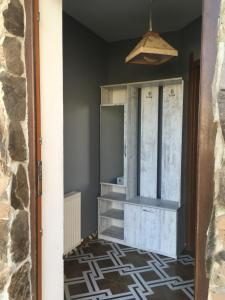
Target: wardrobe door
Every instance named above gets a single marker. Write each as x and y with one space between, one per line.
149 141
132 225
168 233
150 229
172 125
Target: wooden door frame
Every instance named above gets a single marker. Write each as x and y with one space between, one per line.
191 153
34 134
206 139
206 142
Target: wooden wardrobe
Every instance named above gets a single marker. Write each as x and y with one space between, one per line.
141 166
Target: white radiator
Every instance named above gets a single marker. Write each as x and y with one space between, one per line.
72 221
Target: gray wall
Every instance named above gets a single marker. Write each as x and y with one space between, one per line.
85 69
119 72
185 41
191 43
88 63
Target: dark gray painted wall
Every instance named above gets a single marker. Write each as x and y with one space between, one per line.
88 63
119 72
185 41
85 67
191 43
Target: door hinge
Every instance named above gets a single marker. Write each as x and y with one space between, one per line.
39 178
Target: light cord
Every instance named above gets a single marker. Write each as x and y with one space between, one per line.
150 16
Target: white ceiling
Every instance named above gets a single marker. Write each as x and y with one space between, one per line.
115 20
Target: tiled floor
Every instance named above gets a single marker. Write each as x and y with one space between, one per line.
104 270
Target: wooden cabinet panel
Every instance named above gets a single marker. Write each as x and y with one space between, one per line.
149 141
132 225
150 229
132 142
168 233
172 126
143 144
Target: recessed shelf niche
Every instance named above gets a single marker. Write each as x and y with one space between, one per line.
112 143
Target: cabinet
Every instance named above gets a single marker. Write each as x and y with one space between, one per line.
118 158
140 174
152 229
119 140
111 217
132 225
168 232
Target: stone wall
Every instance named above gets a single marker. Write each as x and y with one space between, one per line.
15 261
216 234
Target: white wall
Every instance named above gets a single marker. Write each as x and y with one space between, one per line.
52 149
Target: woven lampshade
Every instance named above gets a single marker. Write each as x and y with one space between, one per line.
151 50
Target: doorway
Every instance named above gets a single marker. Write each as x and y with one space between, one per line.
201 261
97 164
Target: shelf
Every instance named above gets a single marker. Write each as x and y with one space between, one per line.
114 196
114 232
140 84
155 203
113 214
113 184
113 104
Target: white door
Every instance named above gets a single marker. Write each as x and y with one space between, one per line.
132 225
150 229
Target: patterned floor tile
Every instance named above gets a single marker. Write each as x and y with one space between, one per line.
78 288
149 276
164 293
104 270
136 259
97 249
105 263
115 282
73 268
178 269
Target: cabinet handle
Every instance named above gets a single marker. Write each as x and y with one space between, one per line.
149 211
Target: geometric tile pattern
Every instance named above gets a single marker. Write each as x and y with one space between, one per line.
105 270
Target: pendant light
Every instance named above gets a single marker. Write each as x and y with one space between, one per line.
152 49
